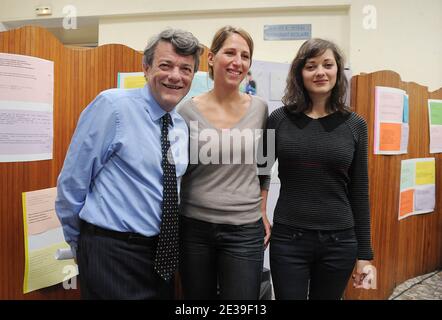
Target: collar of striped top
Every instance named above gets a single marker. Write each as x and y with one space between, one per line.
329 122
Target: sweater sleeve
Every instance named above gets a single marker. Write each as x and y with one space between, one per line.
358 188
263 175
267 154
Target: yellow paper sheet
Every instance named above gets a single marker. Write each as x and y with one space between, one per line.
43 270
41 227
425 172
132 82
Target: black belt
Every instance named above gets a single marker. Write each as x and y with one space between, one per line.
130 237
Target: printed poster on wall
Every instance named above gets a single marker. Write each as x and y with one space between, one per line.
418 187
391 129
26 108
435 120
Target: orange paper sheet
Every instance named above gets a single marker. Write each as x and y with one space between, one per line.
390 137
39 208
407 202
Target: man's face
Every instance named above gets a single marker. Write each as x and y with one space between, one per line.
170 75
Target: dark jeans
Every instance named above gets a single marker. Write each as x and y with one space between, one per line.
311 264
115 265
228 255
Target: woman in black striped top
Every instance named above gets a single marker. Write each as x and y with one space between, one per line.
322 219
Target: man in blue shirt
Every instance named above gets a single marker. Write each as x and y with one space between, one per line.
110 190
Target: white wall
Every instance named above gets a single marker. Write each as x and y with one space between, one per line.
406 40
332 24
11 10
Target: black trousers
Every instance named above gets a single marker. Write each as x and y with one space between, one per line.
116 265
228 255
310 264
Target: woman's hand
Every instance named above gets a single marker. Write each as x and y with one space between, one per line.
267 229
265 221
365 276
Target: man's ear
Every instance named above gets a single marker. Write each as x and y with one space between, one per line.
145 70
210 58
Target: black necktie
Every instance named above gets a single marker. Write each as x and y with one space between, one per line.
166 258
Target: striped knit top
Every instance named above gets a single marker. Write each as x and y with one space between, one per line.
323 169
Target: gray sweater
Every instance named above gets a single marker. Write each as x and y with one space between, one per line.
221 184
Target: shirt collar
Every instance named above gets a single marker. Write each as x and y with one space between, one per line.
153 108
329 122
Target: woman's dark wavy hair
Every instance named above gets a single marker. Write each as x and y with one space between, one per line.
296 97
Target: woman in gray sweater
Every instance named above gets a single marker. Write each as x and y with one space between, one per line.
224 228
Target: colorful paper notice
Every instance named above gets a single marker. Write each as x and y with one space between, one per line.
40 213
435 111
406 203
417 187
406 112
425 172
435 119
131 80
425 200
408 174
26 108
43 270
391 121
201 83
390 136
43 237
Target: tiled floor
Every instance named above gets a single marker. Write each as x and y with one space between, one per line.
425 287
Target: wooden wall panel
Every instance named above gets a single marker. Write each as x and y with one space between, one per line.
410 247
79 75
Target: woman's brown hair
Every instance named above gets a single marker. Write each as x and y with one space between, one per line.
296 97
220 37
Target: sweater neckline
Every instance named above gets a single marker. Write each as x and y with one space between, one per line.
328 122
209 124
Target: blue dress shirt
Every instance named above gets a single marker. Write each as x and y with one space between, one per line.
112 175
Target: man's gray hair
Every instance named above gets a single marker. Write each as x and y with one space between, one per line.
183 42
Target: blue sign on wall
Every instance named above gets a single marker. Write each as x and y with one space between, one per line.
288 32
